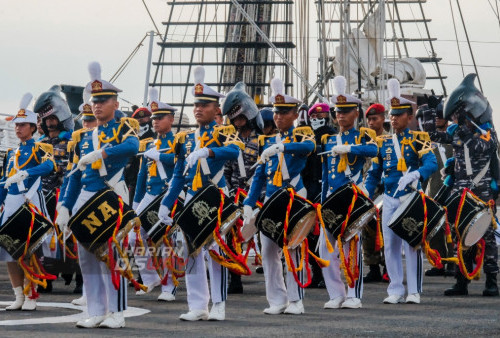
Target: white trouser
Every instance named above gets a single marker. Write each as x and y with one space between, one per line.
11 204
101 294
276 291
393 256
332 273
198 295
144 262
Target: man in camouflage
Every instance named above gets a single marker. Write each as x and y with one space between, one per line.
475 141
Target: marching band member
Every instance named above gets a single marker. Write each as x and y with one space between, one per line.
153 180
24 167
475 144
196 150
404 158
278 151
99 169
349 150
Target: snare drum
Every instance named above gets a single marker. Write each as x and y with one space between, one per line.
198 218
95 222
336 206
270 220
443 194
14 232
51 202
408 220
475 216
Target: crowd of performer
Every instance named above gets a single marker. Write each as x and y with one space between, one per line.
314 191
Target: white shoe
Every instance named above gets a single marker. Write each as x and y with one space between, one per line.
413 298
194 315
394 299
149 287
82 301
166 297
114 320
352 303
275 309
29 304
334 303
218 311
90 322
295 308
18 303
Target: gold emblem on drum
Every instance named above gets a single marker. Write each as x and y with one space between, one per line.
410 225
202 210
8 243
152 217
268 225
330 217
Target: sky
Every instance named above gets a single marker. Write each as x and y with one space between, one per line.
52 41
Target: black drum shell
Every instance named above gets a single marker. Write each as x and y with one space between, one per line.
198 218
96 240
414 215
14 232
335 207
270 220
50 204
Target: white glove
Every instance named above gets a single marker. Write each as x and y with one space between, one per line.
92 157
62 218
16 178
271 151
342 149
193 158
153 154
135 205
164 215
408 178
247 214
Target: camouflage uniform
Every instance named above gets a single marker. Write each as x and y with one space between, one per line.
250 155
481 150
61 157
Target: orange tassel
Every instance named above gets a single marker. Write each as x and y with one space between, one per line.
53 243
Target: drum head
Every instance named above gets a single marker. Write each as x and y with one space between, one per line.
302 228
477 228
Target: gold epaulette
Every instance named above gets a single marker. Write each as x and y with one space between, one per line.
324 138
129 127
180 137
77 135
262 139
423 136
369 134
47 152
423 141
301 134
380 139
143 144
227 134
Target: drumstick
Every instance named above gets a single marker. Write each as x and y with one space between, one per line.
160 150
332 151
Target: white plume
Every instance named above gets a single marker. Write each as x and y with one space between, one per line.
393 88
25 101
86 97
339 84
153 95
95 71
277 87
199 75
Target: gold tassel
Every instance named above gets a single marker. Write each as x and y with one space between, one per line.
197 182
97 164
342 163
448 238
152 169
53 243
402 164
278 178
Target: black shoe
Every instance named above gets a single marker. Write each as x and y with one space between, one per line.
373 276
78 290
491 287
259 269
234 288
67 278
317 284
48 289
434 272
458 289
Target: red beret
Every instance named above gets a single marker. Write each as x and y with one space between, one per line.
141 112
375 108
